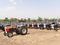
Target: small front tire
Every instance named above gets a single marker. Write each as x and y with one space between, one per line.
5 34
10 34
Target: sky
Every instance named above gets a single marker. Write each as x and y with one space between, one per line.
30 8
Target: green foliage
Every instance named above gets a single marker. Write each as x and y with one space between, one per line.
6 19
33 20
53 19
13 19
39 19
28 20
46 19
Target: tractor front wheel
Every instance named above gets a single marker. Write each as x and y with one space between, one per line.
10 34
5 33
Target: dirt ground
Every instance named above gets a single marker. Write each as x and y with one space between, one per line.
34 37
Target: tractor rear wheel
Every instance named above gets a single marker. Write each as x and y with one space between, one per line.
24 31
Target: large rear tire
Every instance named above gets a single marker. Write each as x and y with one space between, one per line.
24 31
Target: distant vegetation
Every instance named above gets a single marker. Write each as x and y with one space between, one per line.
39 19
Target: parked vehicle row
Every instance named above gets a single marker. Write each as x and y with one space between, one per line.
44 25
22 27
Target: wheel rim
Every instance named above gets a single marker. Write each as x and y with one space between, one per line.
24 31
10 34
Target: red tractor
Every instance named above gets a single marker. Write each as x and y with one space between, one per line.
9 30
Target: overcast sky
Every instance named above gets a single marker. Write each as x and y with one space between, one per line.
30 8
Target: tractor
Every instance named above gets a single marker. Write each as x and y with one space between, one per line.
19 28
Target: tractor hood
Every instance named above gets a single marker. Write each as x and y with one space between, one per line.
21 24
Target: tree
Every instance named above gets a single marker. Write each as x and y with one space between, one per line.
46 19
1 20
53 19
28 20
59 20
6 19
13 19
39 19
33 20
